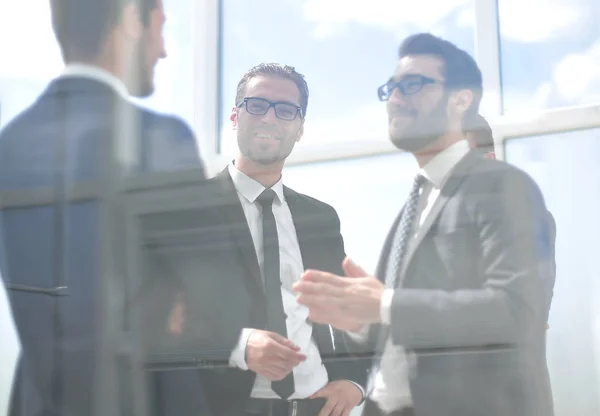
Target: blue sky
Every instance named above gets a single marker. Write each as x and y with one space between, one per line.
550 53
346 48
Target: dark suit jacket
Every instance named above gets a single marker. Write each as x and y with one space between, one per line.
61 136
217 272
473 300
552 259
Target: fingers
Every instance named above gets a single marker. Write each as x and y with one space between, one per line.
274 374
322 303
317 288
322 392
284 341
177 317
352 269
323 277
331 408
287 355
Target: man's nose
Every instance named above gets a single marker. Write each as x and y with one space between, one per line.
397 98
269 116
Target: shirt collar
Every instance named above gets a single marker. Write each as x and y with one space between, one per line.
439 168
98 74
251 189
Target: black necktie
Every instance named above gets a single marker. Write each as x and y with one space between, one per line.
275 313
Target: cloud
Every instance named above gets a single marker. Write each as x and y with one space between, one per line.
526 101
521 20
539 20
575 80
34 53
394 16
577 76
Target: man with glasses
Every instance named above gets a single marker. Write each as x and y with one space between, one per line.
456 310
260 236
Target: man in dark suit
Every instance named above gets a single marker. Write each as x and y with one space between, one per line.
110 48
256 238
456 311
481 137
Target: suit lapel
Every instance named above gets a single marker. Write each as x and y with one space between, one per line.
235 220
295 205
387 246
457 176
300 217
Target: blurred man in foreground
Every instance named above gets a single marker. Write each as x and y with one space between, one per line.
111 48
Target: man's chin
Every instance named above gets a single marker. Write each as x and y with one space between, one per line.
142 92
408 144
141 89
264 161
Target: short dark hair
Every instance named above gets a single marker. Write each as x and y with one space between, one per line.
277 70
460 70
483 137
81 26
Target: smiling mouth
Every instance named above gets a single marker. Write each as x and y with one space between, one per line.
262 136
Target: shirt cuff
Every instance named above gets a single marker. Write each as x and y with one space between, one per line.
385 308
238 355
360 336
362 391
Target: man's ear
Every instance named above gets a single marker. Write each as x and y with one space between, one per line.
461 101
300 132
130 21
233 117
490 155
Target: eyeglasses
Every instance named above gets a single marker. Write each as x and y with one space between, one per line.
408 85
259 106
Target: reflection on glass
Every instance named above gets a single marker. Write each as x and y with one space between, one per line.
566 168
367 194
552 61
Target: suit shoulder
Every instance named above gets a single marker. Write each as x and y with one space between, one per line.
312 202
25 119
173 123
500 174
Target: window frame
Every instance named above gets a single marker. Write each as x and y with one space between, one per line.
208 103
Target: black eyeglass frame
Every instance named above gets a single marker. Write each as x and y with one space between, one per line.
244 103
403 85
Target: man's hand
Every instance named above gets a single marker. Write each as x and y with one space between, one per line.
342 396
176 321
271 355
345 303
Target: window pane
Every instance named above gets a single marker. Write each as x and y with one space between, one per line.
30 55
174 76
566 168
345 50
30 63
550 53
359 190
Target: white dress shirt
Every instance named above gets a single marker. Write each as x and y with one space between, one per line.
9 351
391 389
96 73
310 375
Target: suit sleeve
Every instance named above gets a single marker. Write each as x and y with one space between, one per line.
509 306
552 259
348 363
